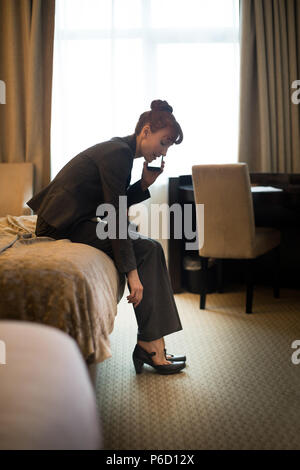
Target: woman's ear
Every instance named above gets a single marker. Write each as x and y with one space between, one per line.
146 130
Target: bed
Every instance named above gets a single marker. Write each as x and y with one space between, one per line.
70 286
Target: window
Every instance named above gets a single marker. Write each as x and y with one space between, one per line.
113 57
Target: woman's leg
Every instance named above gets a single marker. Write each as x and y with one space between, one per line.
157 314
43 229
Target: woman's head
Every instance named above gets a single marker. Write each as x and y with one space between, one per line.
156 130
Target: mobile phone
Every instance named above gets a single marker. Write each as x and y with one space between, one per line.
155 168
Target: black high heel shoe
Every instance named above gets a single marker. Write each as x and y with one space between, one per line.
141 357
174 358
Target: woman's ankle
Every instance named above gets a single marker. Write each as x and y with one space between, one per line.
147 345
155 345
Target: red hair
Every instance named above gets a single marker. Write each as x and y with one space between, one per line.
160 116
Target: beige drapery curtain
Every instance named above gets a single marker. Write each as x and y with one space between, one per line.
269 139
26 54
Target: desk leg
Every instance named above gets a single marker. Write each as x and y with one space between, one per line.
249 283
276 272
204 287
219 276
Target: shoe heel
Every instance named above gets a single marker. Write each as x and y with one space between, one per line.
138 364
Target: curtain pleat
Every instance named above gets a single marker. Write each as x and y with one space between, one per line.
269 137
26 58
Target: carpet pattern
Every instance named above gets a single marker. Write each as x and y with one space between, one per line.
239 390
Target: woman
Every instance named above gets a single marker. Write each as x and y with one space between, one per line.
66 208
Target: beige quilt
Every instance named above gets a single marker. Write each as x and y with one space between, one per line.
71 286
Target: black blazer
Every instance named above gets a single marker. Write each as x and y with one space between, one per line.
97 175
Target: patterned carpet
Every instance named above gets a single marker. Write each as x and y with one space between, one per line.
240 389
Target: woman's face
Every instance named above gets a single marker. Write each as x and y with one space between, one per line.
155 144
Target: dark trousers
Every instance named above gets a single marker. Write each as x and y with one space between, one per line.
157 314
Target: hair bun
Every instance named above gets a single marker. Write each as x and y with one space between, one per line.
159 105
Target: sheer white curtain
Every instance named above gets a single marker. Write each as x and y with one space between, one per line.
113 57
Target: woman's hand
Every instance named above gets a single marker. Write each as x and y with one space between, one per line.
148 177
135 288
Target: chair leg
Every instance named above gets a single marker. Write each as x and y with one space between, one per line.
249 284
204 265
276 272
219 276
202 301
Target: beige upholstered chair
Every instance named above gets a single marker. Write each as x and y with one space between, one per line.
229 228
16 184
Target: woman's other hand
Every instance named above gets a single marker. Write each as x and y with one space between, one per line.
135 288
148 177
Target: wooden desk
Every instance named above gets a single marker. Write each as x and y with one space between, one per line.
267 194
273 207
